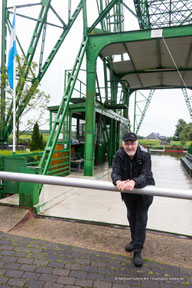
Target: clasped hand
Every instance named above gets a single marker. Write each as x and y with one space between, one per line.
125 185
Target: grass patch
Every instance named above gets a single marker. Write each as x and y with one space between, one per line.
149 142
9 152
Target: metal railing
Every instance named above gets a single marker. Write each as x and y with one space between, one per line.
94 184
33 159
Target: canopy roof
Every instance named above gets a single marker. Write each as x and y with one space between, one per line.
152 62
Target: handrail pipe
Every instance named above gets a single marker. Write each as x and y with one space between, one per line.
95 184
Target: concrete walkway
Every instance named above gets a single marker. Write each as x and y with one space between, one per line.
28 262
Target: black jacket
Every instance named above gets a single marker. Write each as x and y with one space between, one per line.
137 169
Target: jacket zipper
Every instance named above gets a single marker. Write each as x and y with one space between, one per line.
131 172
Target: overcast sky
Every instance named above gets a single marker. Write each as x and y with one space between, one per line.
166 107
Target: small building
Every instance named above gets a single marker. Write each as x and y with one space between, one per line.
156 136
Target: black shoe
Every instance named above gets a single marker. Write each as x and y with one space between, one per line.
138 261
129 247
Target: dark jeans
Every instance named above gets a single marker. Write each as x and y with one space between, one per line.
137 208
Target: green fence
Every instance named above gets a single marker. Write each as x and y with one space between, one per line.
29 163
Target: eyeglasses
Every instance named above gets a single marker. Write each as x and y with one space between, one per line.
132 143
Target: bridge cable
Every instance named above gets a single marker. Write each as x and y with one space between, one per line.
174 62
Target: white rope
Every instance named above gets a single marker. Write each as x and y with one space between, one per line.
174 62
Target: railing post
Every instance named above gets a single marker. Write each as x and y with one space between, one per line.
29 192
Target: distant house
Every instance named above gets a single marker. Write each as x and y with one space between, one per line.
156 136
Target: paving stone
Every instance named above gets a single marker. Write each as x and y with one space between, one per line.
4 242
48 277
49 251
17 282
67 259
14 273
98 264
7 247
31 275
21 254
53 285
66 247
84 282
64 253
71 286
27 267
76 254
66 280
95 276
34 284
2 271
119 286
105 270
8 252
36 256
83 261
56 264
24 261
11 266
61 272
170 270
51 257
149 283
3 279
111 278
46 270
34 250
89 268
99 284
73 266
78 274
40 262
185 271
85 256
1 264
9 259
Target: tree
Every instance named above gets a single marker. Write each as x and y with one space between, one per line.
41 145
179 127
36 106
36 142
34 111
186 134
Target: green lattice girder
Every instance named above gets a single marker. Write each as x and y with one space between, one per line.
163 13
40 26
188 101
140 109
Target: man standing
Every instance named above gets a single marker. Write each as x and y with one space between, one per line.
132 169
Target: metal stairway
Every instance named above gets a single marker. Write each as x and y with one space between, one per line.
56 129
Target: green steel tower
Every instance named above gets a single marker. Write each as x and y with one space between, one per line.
155 55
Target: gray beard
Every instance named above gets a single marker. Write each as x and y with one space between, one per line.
130 153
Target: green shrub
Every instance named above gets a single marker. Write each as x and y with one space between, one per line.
190 149
36 141
174 147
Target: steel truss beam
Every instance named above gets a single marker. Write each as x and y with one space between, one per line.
40 29
140 109
188 101
163 13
